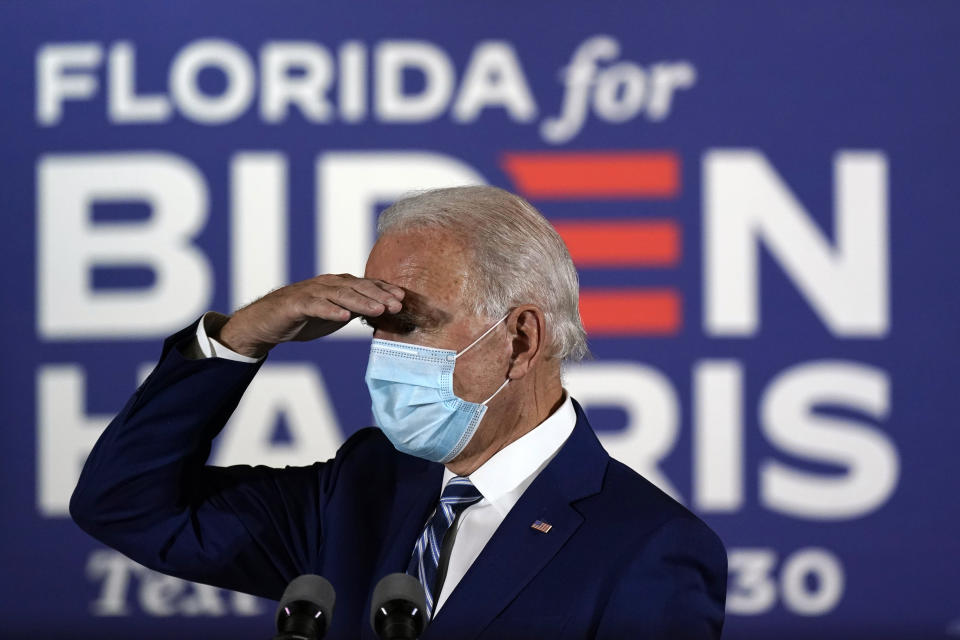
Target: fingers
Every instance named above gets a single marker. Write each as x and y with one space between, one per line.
387 295
339 298
355 302
394 290
326 310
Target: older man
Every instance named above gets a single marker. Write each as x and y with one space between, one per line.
483 478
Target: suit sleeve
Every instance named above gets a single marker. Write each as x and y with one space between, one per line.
682 568
146 491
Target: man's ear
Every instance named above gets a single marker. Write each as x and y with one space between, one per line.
527 328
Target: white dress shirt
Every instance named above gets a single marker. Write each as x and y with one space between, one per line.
501 480
214 348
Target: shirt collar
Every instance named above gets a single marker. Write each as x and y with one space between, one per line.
503 478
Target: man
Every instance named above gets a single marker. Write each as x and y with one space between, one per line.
484 479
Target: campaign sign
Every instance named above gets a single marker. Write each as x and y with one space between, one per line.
761 200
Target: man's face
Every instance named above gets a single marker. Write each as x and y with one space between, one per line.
432 267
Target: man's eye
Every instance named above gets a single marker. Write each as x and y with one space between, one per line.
396 325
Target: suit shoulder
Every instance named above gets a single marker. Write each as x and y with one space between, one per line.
668 567
623 484
647 508
367 454
366 443
366 436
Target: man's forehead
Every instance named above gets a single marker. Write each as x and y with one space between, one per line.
431 264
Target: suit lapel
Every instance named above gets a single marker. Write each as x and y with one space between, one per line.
510 560
417 493
517 553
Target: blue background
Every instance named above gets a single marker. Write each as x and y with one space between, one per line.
795 81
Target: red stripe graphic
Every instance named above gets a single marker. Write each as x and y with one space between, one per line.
631 311
633 243
597 175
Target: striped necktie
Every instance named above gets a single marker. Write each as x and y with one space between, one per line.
425 564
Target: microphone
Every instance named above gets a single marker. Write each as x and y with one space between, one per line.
398 610
306 609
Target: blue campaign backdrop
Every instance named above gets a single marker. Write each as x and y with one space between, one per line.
761 199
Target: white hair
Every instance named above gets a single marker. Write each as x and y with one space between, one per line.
519 258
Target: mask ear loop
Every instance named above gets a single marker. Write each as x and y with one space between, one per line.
470 346
484 335
505 383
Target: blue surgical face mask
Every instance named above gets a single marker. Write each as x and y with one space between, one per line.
411 389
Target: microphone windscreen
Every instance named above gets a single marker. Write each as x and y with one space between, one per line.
399 587
311 588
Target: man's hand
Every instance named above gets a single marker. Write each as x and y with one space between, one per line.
307 310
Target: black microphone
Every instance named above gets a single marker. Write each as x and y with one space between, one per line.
306 609
398 610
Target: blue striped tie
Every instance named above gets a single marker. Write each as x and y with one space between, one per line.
424 565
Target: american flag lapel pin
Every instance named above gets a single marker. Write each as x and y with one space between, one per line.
541 526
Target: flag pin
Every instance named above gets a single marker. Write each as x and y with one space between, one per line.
541 526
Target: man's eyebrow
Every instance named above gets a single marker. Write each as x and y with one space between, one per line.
416 313
409 315
403 317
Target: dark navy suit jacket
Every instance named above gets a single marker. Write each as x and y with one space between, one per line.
622 560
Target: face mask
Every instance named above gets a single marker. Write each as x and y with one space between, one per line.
411 388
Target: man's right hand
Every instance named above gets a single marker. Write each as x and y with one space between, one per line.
307 310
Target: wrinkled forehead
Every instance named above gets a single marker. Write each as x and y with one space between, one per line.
432 265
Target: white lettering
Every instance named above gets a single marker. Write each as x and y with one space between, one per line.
115 570
494 77
817 600
123 103
352 83
307 90
296 392
667 78
259 220
393 58
65 435
747 203
790 419
71 244
811 581
159 595
621 89
55 84
751 590
718 435
578 77
230 59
